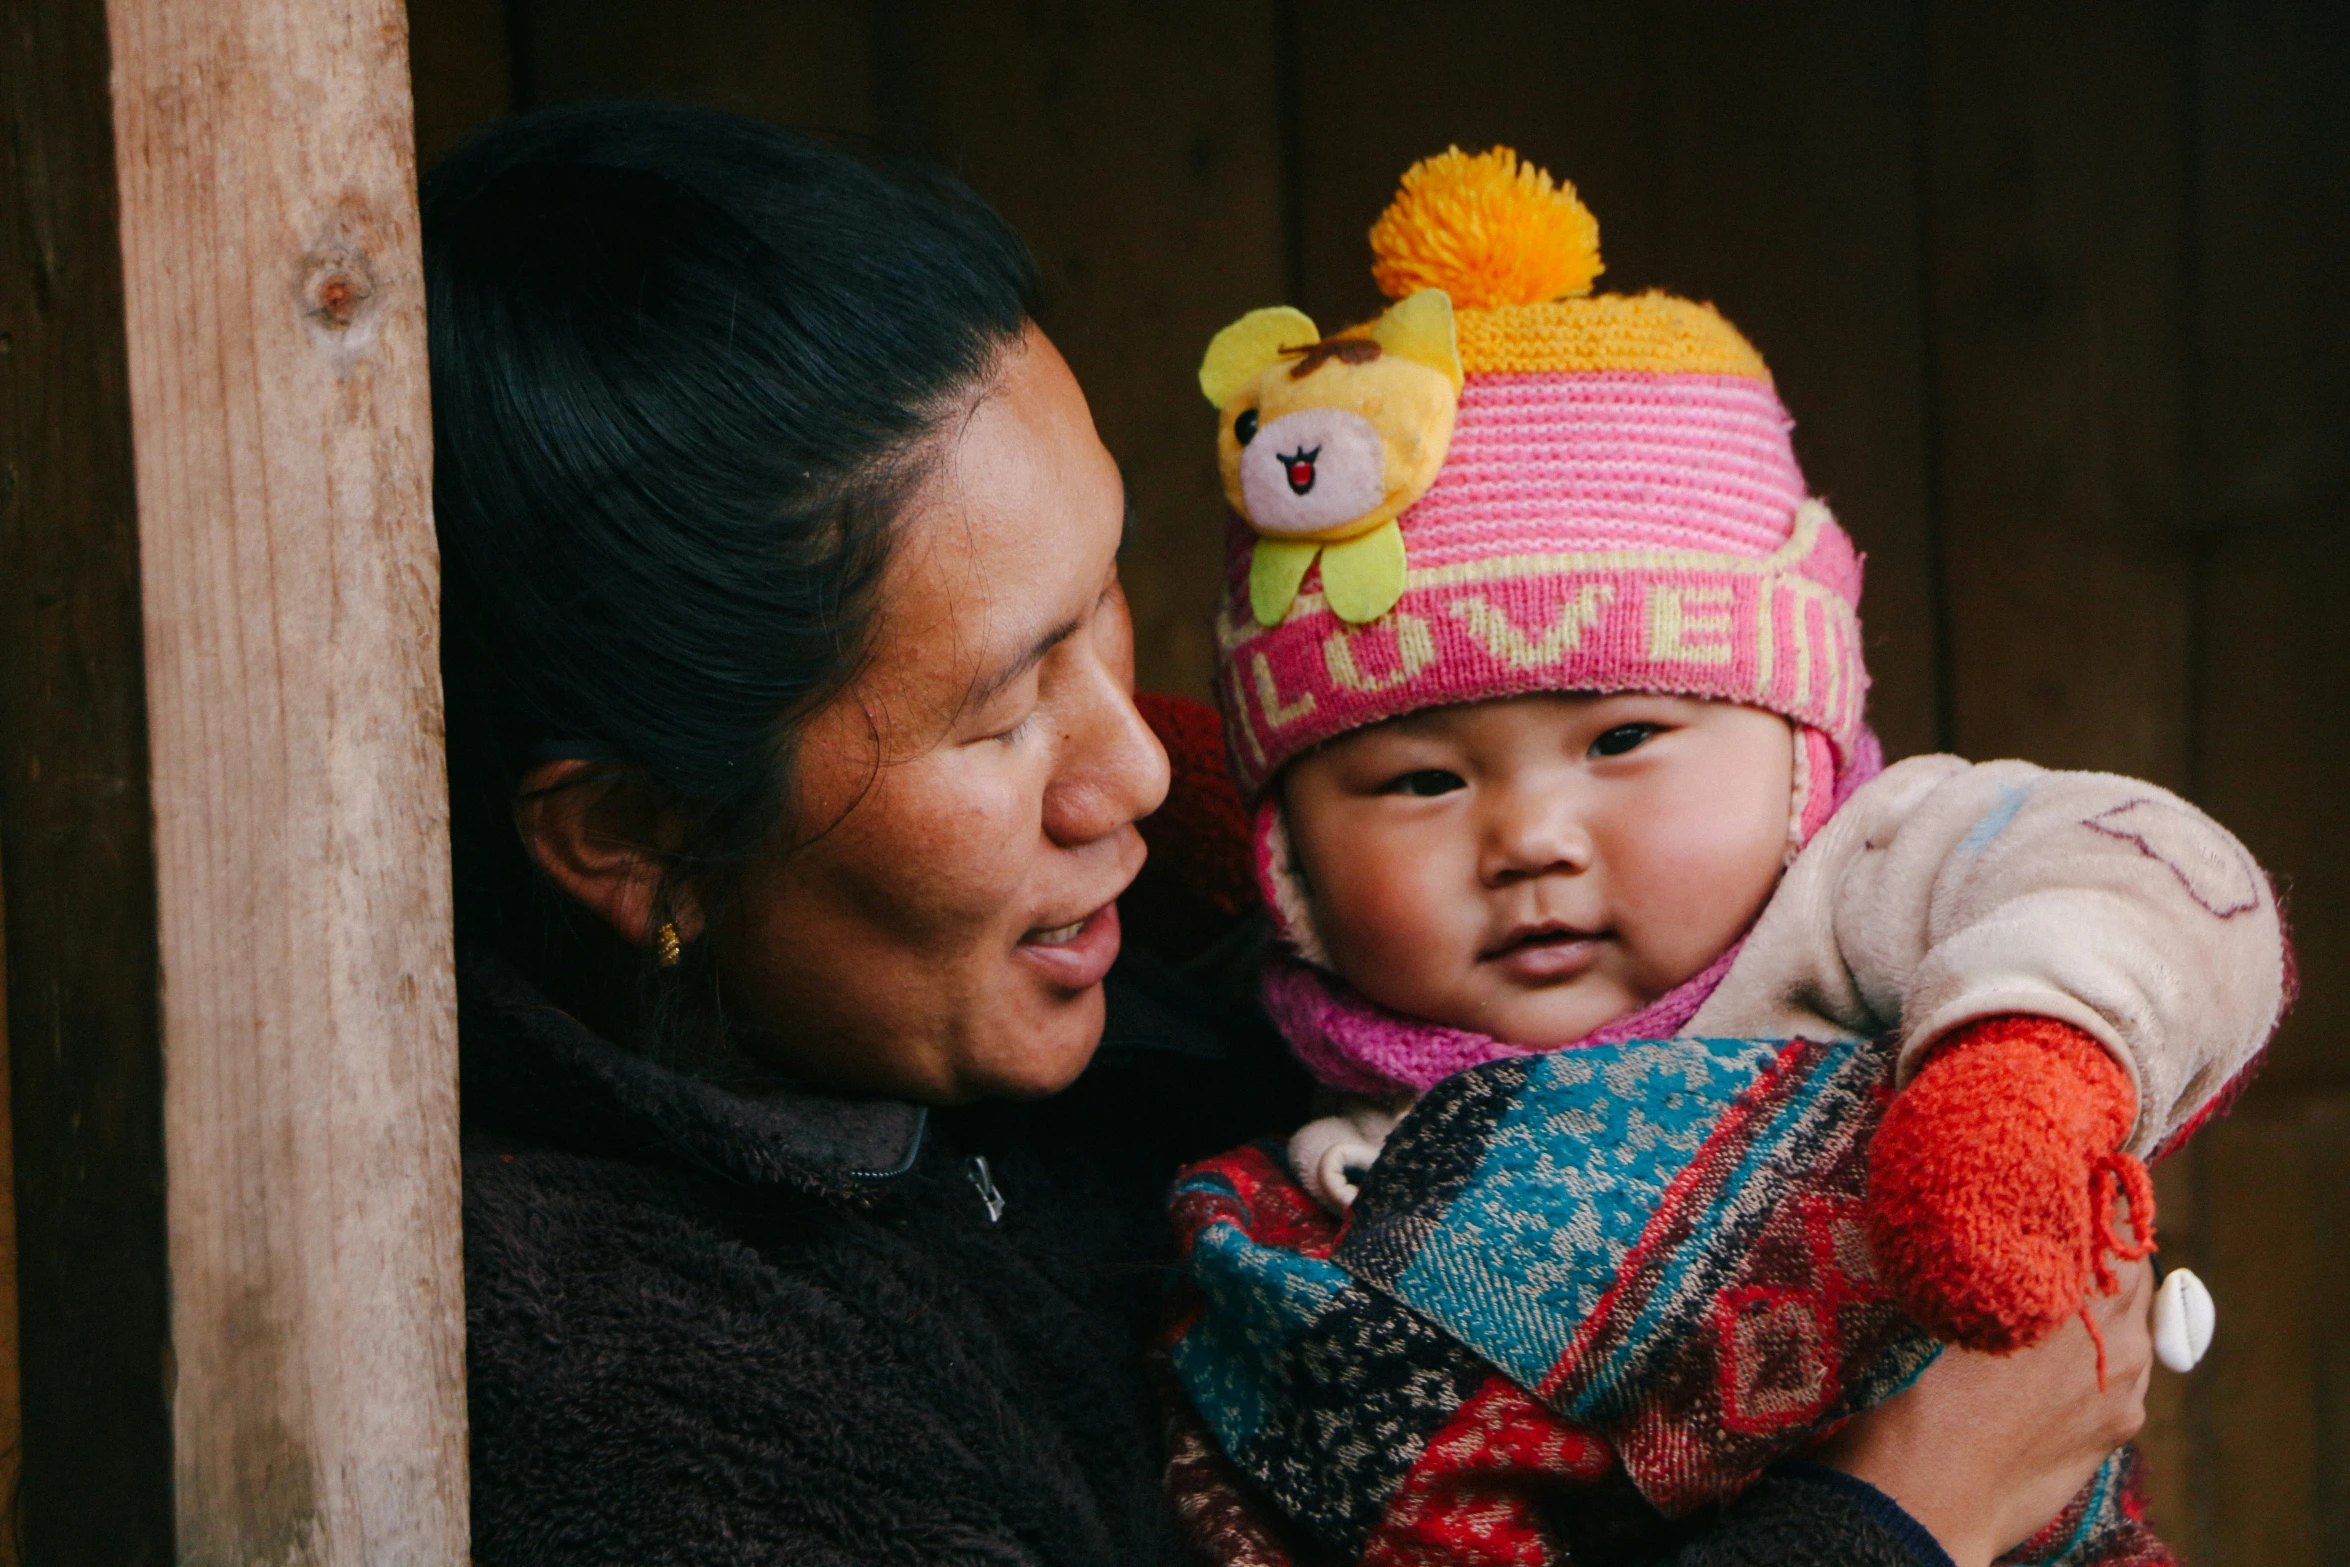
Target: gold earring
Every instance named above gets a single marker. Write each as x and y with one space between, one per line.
665 944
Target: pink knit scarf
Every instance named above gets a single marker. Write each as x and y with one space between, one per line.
1355 1045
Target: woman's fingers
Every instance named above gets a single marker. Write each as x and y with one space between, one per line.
2125 1321
1983 1450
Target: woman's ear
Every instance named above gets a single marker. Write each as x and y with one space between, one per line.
605 839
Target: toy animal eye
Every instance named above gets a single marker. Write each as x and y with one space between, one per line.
1244 428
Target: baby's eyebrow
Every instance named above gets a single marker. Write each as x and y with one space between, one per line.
1428 723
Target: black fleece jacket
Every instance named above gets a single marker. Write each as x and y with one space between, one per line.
711 1329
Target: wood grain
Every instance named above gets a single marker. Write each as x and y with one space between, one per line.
2057 148
790 61
2326 1130
2271 469
84 1027
2270 347
274 324
460 70
11 1412
2256 1398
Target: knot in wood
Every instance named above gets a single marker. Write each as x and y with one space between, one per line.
338 289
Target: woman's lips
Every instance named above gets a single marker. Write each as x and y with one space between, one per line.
1075 956
1547 954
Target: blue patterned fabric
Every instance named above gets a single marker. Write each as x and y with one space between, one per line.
1658 1243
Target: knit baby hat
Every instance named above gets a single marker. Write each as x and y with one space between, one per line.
1608 502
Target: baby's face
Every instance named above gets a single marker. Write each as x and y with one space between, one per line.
1534 867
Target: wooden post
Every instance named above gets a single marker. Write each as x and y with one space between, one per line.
231 1004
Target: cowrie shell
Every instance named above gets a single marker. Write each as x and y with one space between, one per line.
2183 1320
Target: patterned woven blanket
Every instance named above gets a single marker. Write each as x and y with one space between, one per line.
1581 1295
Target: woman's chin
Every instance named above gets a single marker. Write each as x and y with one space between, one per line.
1045 1048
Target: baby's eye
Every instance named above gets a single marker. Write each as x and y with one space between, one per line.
1623 738
1425 782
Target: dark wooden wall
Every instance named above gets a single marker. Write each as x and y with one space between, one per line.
2058 293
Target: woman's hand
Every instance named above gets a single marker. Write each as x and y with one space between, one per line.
1983 1450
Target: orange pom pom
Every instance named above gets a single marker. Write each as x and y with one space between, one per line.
1486 229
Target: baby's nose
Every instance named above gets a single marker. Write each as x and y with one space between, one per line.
1535 837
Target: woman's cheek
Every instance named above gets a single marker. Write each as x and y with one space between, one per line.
975 832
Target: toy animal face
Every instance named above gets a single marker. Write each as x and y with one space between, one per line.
1324 439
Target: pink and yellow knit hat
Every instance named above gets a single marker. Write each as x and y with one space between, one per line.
1609 502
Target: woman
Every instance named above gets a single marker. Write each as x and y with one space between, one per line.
815 1154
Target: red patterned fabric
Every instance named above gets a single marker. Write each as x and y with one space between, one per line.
2105 1524
1471 1499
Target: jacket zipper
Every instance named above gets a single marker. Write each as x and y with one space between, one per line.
983 1182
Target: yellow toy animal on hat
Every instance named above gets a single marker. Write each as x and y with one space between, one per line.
1324 441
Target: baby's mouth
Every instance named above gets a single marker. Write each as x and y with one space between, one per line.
1545 952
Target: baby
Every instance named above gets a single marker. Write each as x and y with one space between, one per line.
1694 1075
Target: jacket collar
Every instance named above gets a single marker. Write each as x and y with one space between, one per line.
532 1067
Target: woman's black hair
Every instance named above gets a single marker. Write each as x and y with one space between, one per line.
684 369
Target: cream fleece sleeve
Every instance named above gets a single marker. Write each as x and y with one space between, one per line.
1945 892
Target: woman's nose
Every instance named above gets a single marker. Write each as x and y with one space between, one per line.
1531 831
1113 770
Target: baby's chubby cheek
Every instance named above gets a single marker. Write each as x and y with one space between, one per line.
1688 877
1396 912
1386 924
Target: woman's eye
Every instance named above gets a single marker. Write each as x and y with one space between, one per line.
1624 737
1425 782
1244 428
1009 727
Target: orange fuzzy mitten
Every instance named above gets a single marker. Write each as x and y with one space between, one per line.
1993 1180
